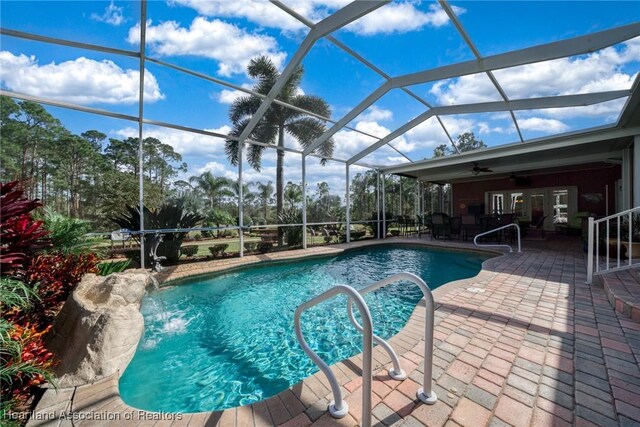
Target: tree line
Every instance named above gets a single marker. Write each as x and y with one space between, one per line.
93 177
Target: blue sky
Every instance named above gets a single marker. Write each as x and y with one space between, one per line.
219 37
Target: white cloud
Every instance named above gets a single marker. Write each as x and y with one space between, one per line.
429 134
485 128
539 124
465 90
226 43
375 113
81 81
349 143
608 111
218 169
398 17
185 143
258 11
595 72
228 96
112 15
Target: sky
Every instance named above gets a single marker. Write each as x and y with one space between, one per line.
219 38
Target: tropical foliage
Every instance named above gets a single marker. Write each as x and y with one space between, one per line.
168 216
276 121
33 286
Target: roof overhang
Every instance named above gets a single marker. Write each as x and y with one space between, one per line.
597 145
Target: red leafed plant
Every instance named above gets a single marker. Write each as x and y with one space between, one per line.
20 235
56 274
33 287
34 358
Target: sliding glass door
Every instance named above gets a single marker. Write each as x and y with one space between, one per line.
552 205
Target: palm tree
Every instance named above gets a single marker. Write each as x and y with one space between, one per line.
293 194
264 194
214 188
277 120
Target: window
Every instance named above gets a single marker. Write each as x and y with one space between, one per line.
560 206
497 204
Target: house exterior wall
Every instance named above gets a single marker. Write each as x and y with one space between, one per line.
589 181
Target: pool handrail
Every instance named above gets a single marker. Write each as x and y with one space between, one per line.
475 239
396 372
424 393
338 408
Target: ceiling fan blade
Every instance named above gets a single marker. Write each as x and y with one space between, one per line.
477 169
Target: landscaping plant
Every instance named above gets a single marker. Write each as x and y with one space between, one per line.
35 280
107 268
169 216
293 235
189 251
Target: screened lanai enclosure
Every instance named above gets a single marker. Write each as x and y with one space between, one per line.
248 126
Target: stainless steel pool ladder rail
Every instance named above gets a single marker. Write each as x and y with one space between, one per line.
424 393
338 408
475 239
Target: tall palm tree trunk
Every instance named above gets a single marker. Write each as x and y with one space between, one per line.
280 182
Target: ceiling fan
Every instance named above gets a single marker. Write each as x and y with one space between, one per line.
477 169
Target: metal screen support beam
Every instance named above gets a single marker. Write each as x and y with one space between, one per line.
348 201
636 173
368 101
333 22
143 30
401 210
456 22
384 209
304 201
378 233
570 47
240 200
416 197
494 106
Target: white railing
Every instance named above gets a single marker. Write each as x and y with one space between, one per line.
338 408
475 239
598 262
425 393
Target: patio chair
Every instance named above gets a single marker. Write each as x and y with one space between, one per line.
469 226
441 225
538 226
506 219
488 223
456 227
421 225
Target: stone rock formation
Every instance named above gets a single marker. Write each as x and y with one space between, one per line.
99 326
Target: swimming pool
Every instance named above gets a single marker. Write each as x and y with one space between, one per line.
228 340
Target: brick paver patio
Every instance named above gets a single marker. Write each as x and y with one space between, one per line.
524 343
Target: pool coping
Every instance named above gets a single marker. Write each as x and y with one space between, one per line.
101 401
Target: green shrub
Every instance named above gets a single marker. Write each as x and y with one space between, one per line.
218 249
189 251
293 235
169 216
107 268
250 246
264 247
66 234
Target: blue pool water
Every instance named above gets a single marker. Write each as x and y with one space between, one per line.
228 340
